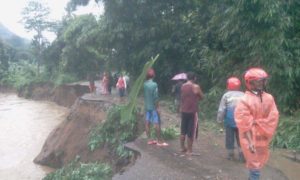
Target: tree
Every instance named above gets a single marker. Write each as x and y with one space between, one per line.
216 39
7 54
35 18
81 53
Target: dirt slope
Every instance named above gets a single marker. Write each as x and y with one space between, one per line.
70 139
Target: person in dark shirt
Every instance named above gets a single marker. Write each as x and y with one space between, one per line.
191 94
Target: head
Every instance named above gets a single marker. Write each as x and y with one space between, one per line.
256 79
233 83
191 76
150 73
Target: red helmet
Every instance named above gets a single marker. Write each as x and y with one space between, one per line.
150 73
254 74
233 83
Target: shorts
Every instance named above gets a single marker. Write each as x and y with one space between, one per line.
188 124
152 116
122 92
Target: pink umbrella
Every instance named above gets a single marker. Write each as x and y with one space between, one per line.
180 76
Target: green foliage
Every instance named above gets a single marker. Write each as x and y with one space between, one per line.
35 19
209 105
62 78
120 125
21 74
113 133
79 171
288 133
6 54
169 133
80 53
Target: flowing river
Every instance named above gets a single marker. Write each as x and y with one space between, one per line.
24 127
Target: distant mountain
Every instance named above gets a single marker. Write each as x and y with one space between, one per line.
12 39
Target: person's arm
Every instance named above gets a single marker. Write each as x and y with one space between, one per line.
248 136
222 109
245 121
269 124
156 99
197 90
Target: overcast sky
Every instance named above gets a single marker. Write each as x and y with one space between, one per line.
10 14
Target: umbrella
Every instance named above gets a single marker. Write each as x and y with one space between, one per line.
180 76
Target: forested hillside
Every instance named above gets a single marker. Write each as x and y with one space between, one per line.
12 39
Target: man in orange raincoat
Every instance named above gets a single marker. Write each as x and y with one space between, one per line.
256 116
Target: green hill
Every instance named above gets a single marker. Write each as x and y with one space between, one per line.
12 39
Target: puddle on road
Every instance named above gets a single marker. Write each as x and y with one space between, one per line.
25 125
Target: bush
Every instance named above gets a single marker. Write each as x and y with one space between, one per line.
288 132
79 171
62 78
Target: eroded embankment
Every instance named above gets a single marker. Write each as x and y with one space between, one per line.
70 139
64 95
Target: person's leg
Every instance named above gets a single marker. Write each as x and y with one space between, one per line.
121 94
147 128
183 132
254 174
156 122
147 124
191 132
157 131
229 142
182 143
190 145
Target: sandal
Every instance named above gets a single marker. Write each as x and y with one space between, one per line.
150 142
183 150
163 144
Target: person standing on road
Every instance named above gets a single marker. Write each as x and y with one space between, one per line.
152 109
105 83
91 79
110 82
121 86
177 93
256 116
226 115
191 94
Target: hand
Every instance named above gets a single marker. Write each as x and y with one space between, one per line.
158 110
252 148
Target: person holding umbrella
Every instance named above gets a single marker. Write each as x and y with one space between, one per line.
176 90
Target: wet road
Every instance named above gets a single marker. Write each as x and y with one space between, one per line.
24 127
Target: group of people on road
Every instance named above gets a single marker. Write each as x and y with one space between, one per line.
107 82
250 118
190 95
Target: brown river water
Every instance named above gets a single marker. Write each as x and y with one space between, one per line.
24 127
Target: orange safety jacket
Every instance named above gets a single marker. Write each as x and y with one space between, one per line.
259 115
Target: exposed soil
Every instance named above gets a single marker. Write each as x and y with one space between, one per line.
64 95
70 139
